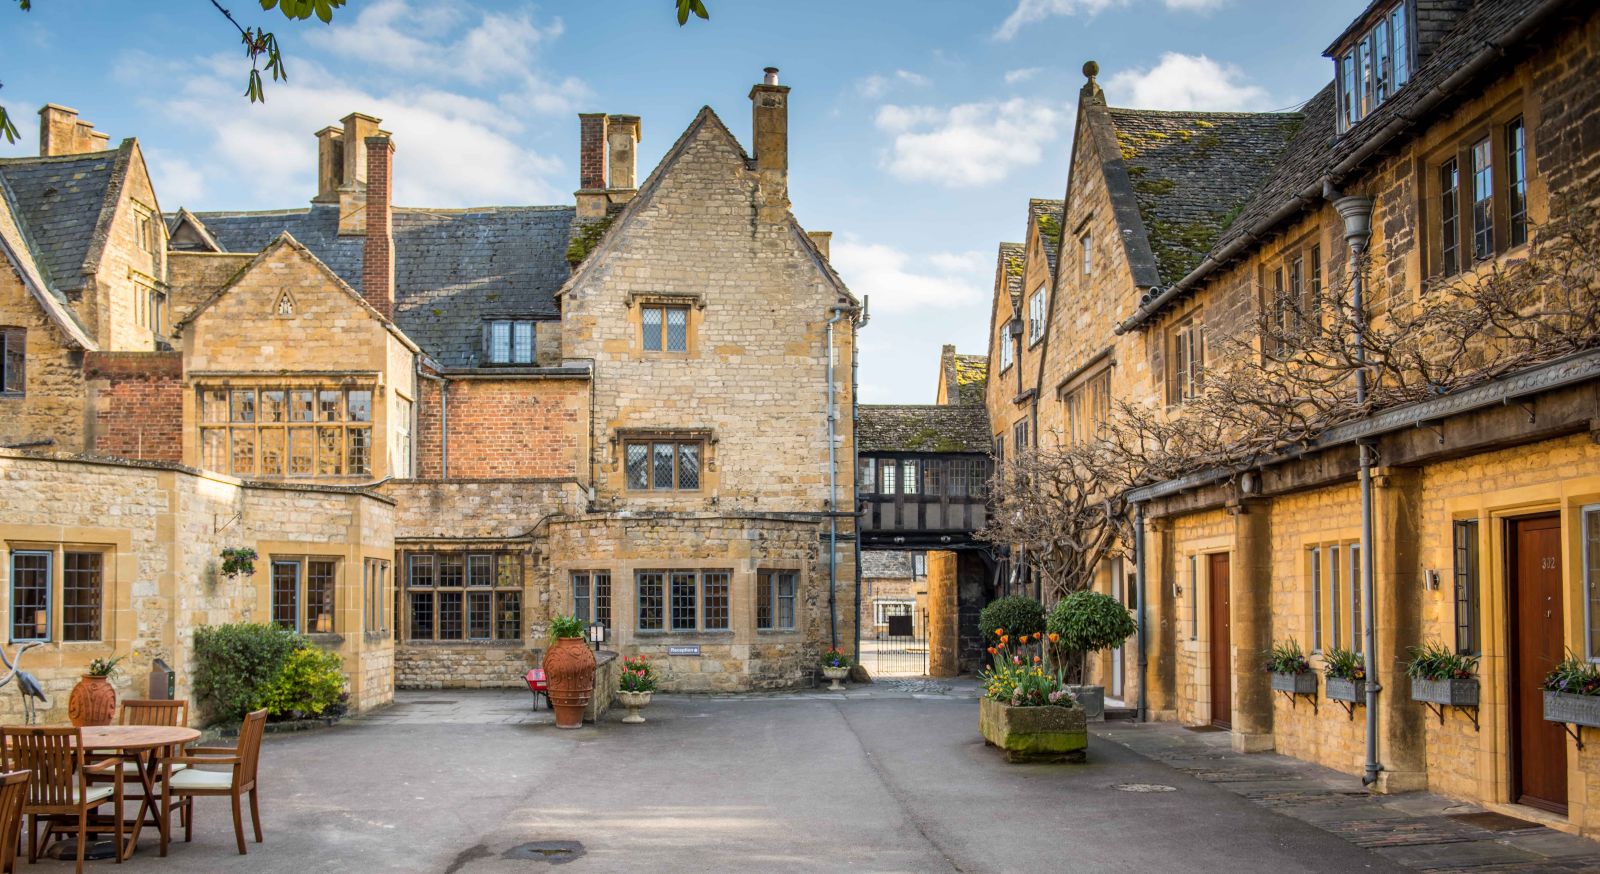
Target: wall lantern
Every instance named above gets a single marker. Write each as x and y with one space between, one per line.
1430 579
597 634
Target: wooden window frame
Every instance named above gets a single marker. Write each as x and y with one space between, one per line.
769 591
374 586
1459 212
514 356
306 618
693 601
1589 535
663 336
1038 314
1374 65
650 445
245 420
502 593
13 361
1185 359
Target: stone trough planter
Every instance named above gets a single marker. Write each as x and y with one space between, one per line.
1304 683
1572 709
1450 693
1035 734
1347 690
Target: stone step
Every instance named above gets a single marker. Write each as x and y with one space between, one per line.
1128 713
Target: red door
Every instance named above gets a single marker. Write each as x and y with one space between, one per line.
1221 643
1538 748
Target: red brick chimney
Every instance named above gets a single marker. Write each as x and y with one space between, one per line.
377 252
592 151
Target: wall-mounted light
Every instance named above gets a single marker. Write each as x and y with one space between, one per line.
1430 579
41 623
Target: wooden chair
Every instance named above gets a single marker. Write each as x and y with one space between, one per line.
13 794
193 781
59 790
150 711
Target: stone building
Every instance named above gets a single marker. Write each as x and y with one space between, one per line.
893 584
437 427
1462 122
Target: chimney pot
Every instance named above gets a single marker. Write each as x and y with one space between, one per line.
771 77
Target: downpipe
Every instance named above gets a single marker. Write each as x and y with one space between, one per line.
833 490
1357 215
1140 588
855 461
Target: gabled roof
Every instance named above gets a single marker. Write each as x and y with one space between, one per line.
922 428
1008 266
886 564
453 267
16 251
972 378
186 221
1192 172
64 206
1046 214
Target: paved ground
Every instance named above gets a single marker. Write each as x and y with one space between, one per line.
887 779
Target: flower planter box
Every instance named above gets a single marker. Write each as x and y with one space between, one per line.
1573 709
1351 691
1035 734
1450 693
1093 701
1296 684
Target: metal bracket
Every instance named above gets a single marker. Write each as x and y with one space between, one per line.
1525 403
1349 707
1573 731
1438 710
218 529
1294 699
1435 427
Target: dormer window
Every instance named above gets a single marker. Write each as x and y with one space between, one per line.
1373 67
508 341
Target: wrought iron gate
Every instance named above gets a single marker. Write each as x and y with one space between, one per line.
901 650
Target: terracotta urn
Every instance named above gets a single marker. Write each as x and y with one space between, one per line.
93 701
569 671
634 701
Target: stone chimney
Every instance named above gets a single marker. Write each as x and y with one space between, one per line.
330 164
822 240
62 133
622 143
377 250
770 115
947 369
591 194
353 185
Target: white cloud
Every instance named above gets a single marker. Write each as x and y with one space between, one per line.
1196 5
877 85
177 181
1033 11
1181 81
968 144
901 283
1022 75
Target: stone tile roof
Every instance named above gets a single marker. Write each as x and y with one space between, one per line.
1192 173
886 564
1046 214
453 267
59 202
1009 264
972 379
923 428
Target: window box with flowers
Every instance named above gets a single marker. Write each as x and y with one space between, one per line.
1346 672
1572 693
635 685
1027 710
1291 672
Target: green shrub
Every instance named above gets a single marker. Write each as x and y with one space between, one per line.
1090 622
567 626
1014 613
235 663
312 681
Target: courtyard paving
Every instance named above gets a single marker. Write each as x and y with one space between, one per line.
890 777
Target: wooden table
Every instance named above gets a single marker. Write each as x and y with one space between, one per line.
143 744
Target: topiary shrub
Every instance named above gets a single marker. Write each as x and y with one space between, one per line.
1016 614
312 681
1088 622
235 664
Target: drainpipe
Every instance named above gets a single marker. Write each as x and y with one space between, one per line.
833 491
1357 215
1138 607
855 462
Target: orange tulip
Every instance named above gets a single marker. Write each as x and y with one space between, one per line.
999 631
991 650
1054 638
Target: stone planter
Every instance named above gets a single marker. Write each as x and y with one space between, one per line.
569 671
1034 734
1093 701
1450 693
93 701
634 701
1352 691
834 675
1304 683
1573 709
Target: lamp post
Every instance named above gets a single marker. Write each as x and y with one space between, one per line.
597 634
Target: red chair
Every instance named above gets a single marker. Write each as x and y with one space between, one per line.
538 686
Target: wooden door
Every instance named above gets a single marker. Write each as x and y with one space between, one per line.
1538 748
1221 642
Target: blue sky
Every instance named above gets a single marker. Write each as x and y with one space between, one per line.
918 128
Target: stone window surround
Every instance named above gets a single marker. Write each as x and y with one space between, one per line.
1334 581
13 361
707 437
54 619
304 622
497 591
148 229
202 382
375 587
1038 314
741 600
694 304
1492 125
699 575
1275 299
119 565
1188 328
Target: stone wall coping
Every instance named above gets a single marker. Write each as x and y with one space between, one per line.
364 491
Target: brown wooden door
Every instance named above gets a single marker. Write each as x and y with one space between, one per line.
1538 748
1221 642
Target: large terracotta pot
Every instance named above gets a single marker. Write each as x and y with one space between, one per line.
93 702
569 671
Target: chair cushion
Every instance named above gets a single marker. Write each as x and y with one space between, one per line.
96 794
194 778
133 768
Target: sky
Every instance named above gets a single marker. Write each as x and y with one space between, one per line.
918 128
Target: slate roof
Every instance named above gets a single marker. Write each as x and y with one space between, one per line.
886 564
972 379
1046 214
59 202
453 267
923 428
1009 263
1193 171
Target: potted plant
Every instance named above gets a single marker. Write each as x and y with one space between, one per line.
1439 676
634 685
1027 710
1022 616
238 560
94 700
1290 670
836 667
1346 672
1572 693
569 671
1083 623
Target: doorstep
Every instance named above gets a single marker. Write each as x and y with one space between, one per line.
1533 815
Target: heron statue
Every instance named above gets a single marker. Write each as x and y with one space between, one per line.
27 685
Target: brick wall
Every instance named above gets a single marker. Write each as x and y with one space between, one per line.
137 399
512 428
